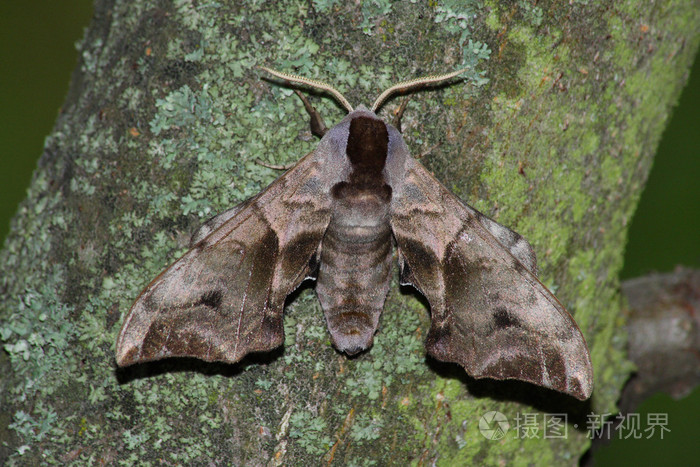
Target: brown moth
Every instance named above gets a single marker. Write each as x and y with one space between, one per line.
336 217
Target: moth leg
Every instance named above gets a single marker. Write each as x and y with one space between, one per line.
318 126
275 166
398 113
428 151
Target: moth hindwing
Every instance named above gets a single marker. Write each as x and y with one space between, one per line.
333 217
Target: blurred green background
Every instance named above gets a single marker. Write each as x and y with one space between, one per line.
38 55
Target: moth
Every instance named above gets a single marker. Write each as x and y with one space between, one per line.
336 217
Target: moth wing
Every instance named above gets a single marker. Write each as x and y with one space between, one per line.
513 241
217 221
489 312
224 298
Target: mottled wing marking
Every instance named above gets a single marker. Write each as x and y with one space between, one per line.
217 221
489 312
513 241
224 298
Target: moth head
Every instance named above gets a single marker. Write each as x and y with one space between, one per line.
369 143
363 138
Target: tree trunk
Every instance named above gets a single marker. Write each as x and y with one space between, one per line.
552 133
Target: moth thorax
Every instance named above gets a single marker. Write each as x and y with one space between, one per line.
368 143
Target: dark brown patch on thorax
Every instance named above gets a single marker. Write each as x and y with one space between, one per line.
367 149
368 143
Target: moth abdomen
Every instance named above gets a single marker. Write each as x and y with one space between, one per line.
352 326
354 278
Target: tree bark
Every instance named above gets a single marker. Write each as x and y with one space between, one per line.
664 329
552 133
664 345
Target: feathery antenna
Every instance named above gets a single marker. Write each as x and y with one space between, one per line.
313 83
413 83
402 86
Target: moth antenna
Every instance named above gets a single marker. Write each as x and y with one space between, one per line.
311 82
412 83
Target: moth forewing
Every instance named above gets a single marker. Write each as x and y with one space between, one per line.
224 298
